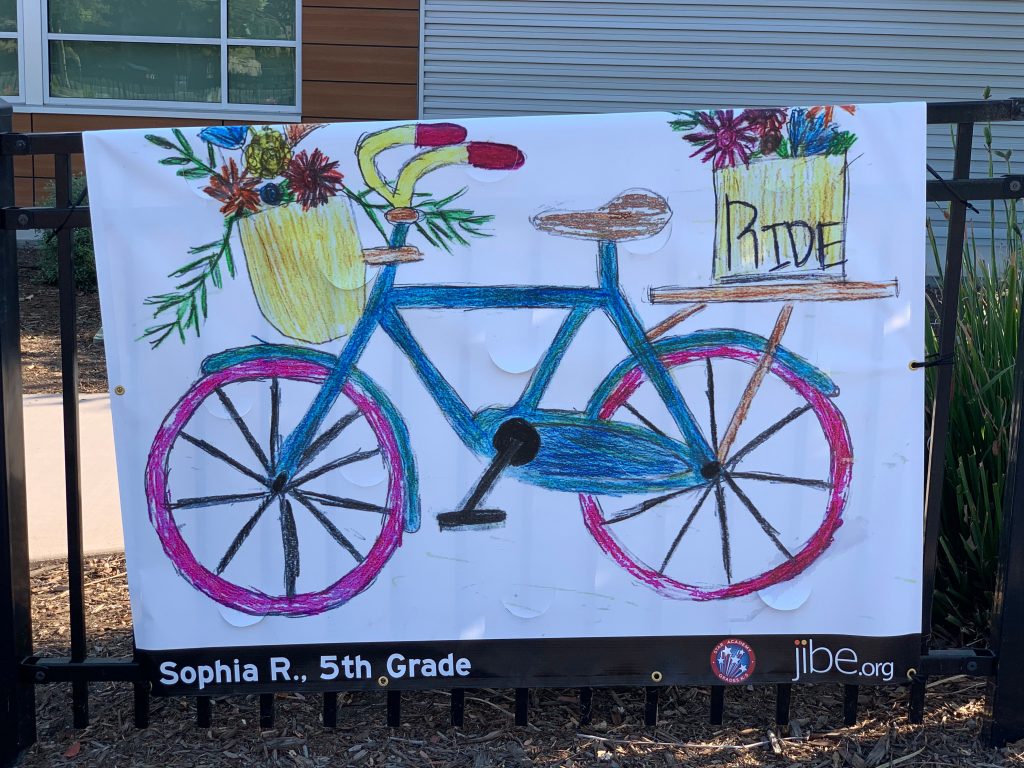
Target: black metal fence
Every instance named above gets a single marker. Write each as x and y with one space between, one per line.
21 671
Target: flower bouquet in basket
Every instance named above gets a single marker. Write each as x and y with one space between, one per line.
293 214
781 189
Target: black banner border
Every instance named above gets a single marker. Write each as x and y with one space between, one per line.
536 663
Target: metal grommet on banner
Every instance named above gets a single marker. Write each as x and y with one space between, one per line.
657 676
118 390
383 681
911 674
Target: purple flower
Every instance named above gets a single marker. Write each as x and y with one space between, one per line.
726 139
764 121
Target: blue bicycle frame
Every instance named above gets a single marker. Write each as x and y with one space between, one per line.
475 431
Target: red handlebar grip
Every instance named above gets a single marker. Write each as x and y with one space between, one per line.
439 134
495 157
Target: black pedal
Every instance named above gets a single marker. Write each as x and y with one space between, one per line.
516 443
464 521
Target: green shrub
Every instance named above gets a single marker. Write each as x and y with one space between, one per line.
980 417
83 259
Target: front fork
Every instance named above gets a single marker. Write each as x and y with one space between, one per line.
300 438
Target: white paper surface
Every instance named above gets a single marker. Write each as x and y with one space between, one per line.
542 573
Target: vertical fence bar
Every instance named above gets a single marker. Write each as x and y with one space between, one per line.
851 694
940 407
17 698
204 711
651 705
1004 705
586 705
717 714
330 713
266 710
522 706
141 702
72 479
394 709
458 707
783 701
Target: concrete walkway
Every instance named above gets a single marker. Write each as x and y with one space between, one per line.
44 456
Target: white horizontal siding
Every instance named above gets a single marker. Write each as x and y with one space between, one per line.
514 57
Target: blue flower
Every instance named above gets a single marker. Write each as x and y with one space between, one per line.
226 136
808 135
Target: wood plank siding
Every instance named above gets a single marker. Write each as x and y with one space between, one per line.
359 59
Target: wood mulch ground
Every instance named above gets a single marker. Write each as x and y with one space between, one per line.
617 737
40 333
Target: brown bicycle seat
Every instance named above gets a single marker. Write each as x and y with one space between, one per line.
634 214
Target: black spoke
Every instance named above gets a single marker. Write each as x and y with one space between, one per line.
759 440
327 437
243 428
330 527
350 459
683 530
218 453
290 540
213 501
726 549
711 408
243 535
644 420
275 419
785 479
765 525
344 503
643 506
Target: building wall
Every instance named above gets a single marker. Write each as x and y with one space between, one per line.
520 57
360 60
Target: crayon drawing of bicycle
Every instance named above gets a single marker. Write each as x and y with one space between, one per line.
692 468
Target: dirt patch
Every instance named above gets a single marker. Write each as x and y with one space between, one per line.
617 737
40 333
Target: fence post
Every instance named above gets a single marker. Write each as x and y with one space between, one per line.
1004 706
17 699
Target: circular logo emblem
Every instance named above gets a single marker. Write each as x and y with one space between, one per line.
733 661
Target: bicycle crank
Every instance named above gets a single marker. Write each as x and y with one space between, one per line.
516 443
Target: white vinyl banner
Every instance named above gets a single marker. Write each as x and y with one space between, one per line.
635 375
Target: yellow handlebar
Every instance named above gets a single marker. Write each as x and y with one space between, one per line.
444 144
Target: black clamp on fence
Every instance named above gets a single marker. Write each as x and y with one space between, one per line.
44 218
958 661
932 361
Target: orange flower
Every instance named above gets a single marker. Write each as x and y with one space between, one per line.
830 111
298 131
236 190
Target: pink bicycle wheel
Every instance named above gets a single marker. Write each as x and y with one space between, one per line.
650 562
309 494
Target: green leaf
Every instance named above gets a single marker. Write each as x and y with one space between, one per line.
213 160
183 142
194 173
189 302
783 149
175 161
840 143
160 141
206 247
